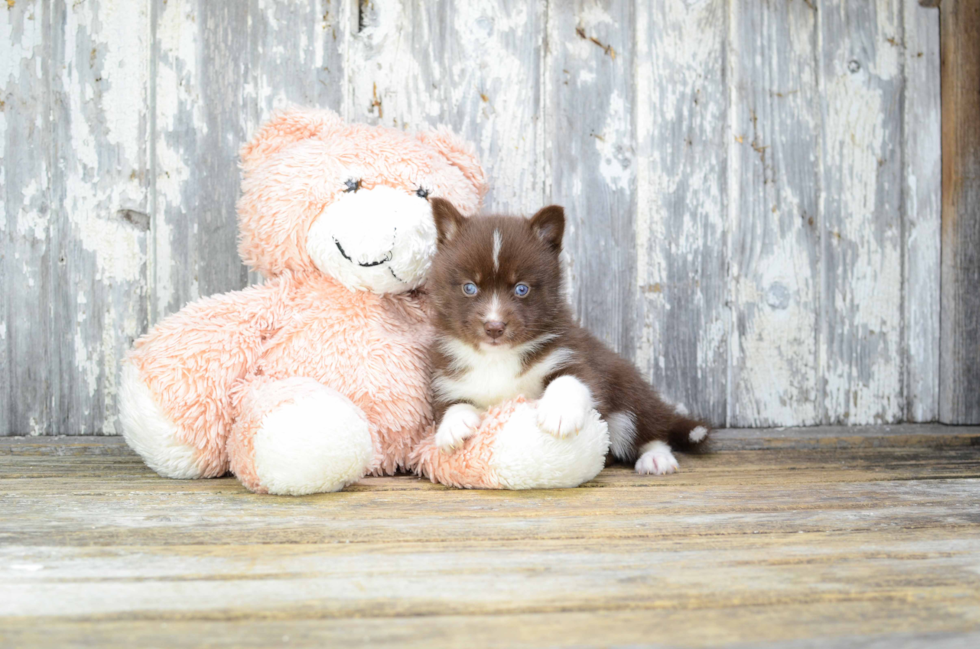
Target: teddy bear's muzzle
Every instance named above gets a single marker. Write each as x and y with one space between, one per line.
380 239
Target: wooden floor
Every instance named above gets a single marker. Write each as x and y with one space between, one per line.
826 537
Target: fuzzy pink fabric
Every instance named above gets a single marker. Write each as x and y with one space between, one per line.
205 365
190 360
468 467
298 163
371 348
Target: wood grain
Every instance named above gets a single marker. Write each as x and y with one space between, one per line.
76 181
28 257
590 154
692 143
923 206
475 67
774 216
682 183
200 60
856 547
904 626
861 173
960 352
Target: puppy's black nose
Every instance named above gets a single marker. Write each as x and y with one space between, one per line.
494 328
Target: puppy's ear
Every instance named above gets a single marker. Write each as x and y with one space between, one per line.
549 225
448 220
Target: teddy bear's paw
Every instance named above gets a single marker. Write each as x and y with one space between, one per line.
151 434
316 443
565 407
459 423
526 457
656 459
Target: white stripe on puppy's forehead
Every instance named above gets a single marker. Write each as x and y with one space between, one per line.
498 242
493 313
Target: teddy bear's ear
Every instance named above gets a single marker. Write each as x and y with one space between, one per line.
286 127
460 154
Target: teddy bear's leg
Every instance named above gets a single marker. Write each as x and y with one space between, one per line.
510 451
174 403
152 434
296 436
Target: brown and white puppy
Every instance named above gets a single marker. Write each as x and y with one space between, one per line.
504 329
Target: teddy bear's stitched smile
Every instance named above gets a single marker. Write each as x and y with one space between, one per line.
369 264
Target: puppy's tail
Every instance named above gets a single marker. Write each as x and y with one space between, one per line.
689 435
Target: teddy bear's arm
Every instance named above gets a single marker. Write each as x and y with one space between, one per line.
510 451
175 392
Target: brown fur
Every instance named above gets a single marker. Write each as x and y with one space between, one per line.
530 254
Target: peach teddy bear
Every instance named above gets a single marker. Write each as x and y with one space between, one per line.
319 376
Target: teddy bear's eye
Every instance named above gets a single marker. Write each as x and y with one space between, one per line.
423 193
353 185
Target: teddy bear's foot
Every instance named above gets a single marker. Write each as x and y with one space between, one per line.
510 451
296 436
149 432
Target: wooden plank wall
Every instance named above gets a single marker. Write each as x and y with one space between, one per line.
959 383
753 188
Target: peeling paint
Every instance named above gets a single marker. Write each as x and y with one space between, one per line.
395 62
105 145
862 370
923 158
680 193
615 146
743 221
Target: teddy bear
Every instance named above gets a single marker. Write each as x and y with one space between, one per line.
319 376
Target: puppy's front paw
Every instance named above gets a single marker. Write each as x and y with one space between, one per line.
565 406
656 460
459 422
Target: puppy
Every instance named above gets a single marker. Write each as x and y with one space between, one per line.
504 329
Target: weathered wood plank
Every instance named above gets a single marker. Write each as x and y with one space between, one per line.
849 437
27 257
773 215
723 440
100 118
861 179
337 581
959 388
201 71
820 461
886 624
746 547
922 211
661 511
296 56
681 227
76 275
590 155
473 66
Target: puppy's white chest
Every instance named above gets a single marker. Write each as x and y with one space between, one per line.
485 379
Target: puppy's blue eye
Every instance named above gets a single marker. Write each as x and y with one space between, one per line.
423 193
352 185
521 290
469 288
